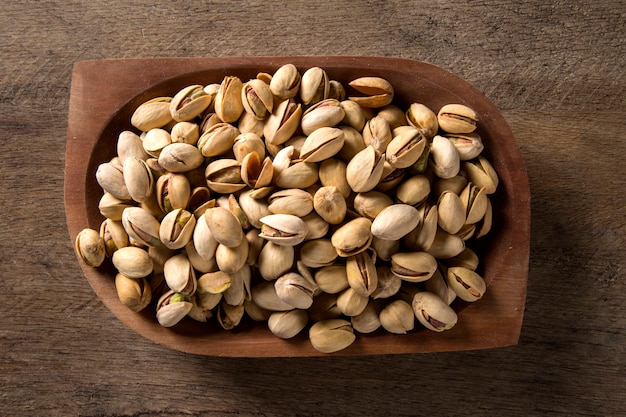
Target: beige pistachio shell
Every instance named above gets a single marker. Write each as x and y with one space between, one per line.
185 132
397 317
172 307
180 157
177 228
218 139
155 140
283 229
229 316
475 201
239 290
444 158
214 282
468 145
256 173
361 273
231 259
332 279
285 82
394 116
395 221
384 248
423 118
482 174
377 92
295 290
368 320
224 226
180 275
332 173
133 262
223 176
413 266
314 85
326 113
298 175
321 144
450 211
173 191
406 148
353 143
151 114
133 293
189 102
246 143
228 100
257 98
467 284
457 118
315 225
351 303
141 226
388 283
110 177
112 207
353 237
283 122
275 260
369 204
422 237
330 204
377 133
446 245
264 296
413 190
287 324
90 247
254 208
331 335
365 170
291 201
353 115
318 253
438 285
113 235
130 144
433 312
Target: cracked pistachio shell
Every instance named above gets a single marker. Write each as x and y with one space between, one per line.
438 285
388 283
390 179
330 204
362 274
353 115
446 245
433 312
257 98
254 208
298 175
351 303
332 279
217 139
353 237
369 204
223 176
377 133
413 266
283 122
457 118
336 90
326 113
189 102
481 172
365 170
444 158
474 200
406 148
395 221
331 335
264 296
295 290
206 300
180 275
332 172
231 259
283 229
185 132
450 211
133 293
423 118
177 228
113 235
321 144
368 320
229 316
173 191
317 253
180 157
256 173
133 262
314 85
155 140
397 317
287 324
376 91
413 190
239 290
172 308
423 235
285 82
110 177
138 178
141 226
152 114
467 284
247 123
291 201
468 145
130 144
90 247
484 225
275 260
246 143
224 226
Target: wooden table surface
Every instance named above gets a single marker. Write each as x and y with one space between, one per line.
555 69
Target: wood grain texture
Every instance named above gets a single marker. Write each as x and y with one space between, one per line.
554 69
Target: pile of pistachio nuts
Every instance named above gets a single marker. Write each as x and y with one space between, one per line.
298 202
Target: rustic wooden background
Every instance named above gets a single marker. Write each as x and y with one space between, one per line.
555 69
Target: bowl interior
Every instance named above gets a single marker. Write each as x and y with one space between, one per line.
94 126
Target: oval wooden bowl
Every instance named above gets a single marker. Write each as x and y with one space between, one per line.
105 93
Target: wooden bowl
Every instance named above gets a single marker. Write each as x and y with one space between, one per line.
105 93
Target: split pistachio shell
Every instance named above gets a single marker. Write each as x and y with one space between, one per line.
90 247
457 118
287 324
377 133
368 320
112 207
203 240
291 201
332 335
110 177
395 221
444 158
406 148
173 191
177 228
351 303
369 204
481 172
377 92
113 235
224 226
133 262
256 173
433 312
330 204
217 139
285 82
246 143
474 200
314 85
361 273
321 144
283 229
180 275
365 170
189 103
451 213
467 284
468 145
423 118
228 100
275 260
155 140
133 293
325 113
130 144
172 307
283 122
422 237
214 282
295 290
413 266
141 226
438 285
151 114
397 317
257 99
229 316
353 237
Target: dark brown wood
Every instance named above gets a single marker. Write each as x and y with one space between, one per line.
555 70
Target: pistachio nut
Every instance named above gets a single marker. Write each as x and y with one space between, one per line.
295 290
285 82
151 114
406 148
467 284
455 184
391 177
180 275
413 266
133 293
467 259
291 201
330 204
317 253
362 274
218 139
377 92
177 228
457 118
111 179
321 144
368 320
275 260
246 143
315 225
283 122
224 176
130 144
172 307
201 264
422 236
325 113
214 282
353 115
482 174
397 317
388 283
231 259
287 324
438 285
369 204
255 245
352 237
229 316
247 123
332 279
224 226
90 247
468 145
239 290
413 190
331 335
353 143
446 245
180 157
377 133
189 102
253 208
113 235
255 312
450 211
173 191
133 262
395 221
265 296
257 98
141 226
484 225
298 175
351 303
254 173
228 100
155 140
365 170
444 158
185 132
384 248
283 229
433 312
394 115
474 200
332 172
423 118
314 85
336 90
